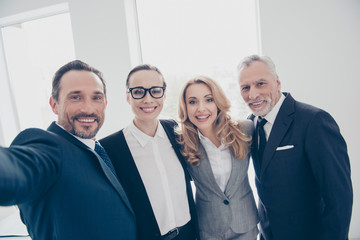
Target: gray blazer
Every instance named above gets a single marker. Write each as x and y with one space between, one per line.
235 208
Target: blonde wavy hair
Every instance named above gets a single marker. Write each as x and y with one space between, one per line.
229 131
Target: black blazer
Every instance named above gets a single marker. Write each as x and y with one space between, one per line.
64 190
119 153
304 183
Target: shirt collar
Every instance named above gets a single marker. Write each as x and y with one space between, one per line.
271 116
143 138
88 142
204 140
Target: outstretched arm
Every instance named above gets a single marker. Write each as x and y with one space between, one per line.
28 167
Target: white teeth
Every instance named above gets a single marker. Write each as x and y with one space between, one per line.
258 103
202 117
148 109
86 120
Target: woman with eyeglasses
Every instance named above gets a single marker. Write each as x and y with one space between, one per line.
217 152
149 164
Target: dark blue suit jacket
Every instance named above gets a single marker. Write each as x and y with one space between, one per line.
304 183
63 189
126 169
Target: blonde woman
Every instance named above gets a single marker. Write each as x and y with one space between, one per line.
217 152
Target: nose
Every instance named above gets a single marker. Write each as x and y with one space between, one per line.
253 93
201 107
87 106
147 97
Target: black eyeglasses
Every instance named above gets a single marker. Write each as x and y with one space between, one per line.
140 92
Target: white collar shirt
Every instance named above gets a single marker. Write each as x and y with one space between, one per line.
88 142
271 116
162 175
220 161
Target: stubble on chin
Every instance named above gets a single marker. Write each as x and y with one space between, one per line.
81 132
85 132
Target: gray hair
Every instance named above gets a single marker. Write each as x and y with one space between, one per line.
247 61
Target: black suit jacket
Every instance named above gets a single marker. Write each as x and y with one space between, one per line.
63 189
304 183
119 152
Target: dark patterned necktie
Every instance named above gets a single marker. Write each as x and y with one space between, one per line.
262 138
101 151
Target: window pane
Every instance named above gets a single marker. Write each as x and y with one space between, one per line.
34 51
198 37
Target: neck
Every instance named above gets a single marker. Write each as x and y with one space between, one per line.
147 127
211 135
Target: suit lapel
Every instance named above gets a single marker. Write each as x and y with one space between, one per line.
169 126
109 175
205 170
281 125
235 170
254 147
113 180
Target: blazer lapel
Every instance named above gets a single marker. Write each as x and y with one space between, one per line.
281 125
254 147
205 170
235 170
109 175
113 180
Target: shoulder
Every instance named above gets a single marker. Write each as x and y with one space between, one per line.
168 123
41 145
311 112
36 135
304 114
113 138
245 126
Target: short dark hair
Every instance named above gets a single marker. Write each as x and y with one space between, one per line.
143 67
73 65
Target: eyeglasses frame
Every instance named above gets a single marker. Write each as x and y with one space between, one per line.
147 90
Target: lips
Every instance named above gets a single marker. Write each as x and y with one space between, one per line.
86 118
148 109
257 104
202 117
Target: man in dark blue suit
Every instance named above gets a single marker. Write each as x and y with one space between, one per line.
63 187
303 175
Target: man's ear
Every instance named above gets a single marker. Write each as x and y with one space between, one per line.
53 105
278 83
128 97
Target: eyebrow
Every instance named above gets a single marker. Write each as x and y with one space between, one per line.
74 92
207 95
191 98
79 92
261 80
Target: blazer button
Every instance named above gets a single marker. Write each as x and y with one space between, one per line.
226 202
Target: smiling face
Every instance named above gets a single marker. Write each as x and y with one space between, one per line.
201 108
81 103
146 109
259 88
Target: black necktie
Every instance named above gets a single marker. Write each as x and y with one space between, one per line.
101 151
262 137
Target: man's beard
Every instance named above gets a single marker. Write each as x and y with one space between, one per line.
83 131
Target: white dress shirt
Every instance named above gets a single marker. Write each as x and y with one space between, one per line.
220 161
162 175
88 142
271 116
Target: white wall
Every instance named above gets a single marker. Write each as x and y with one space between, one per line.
100 39
316 48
